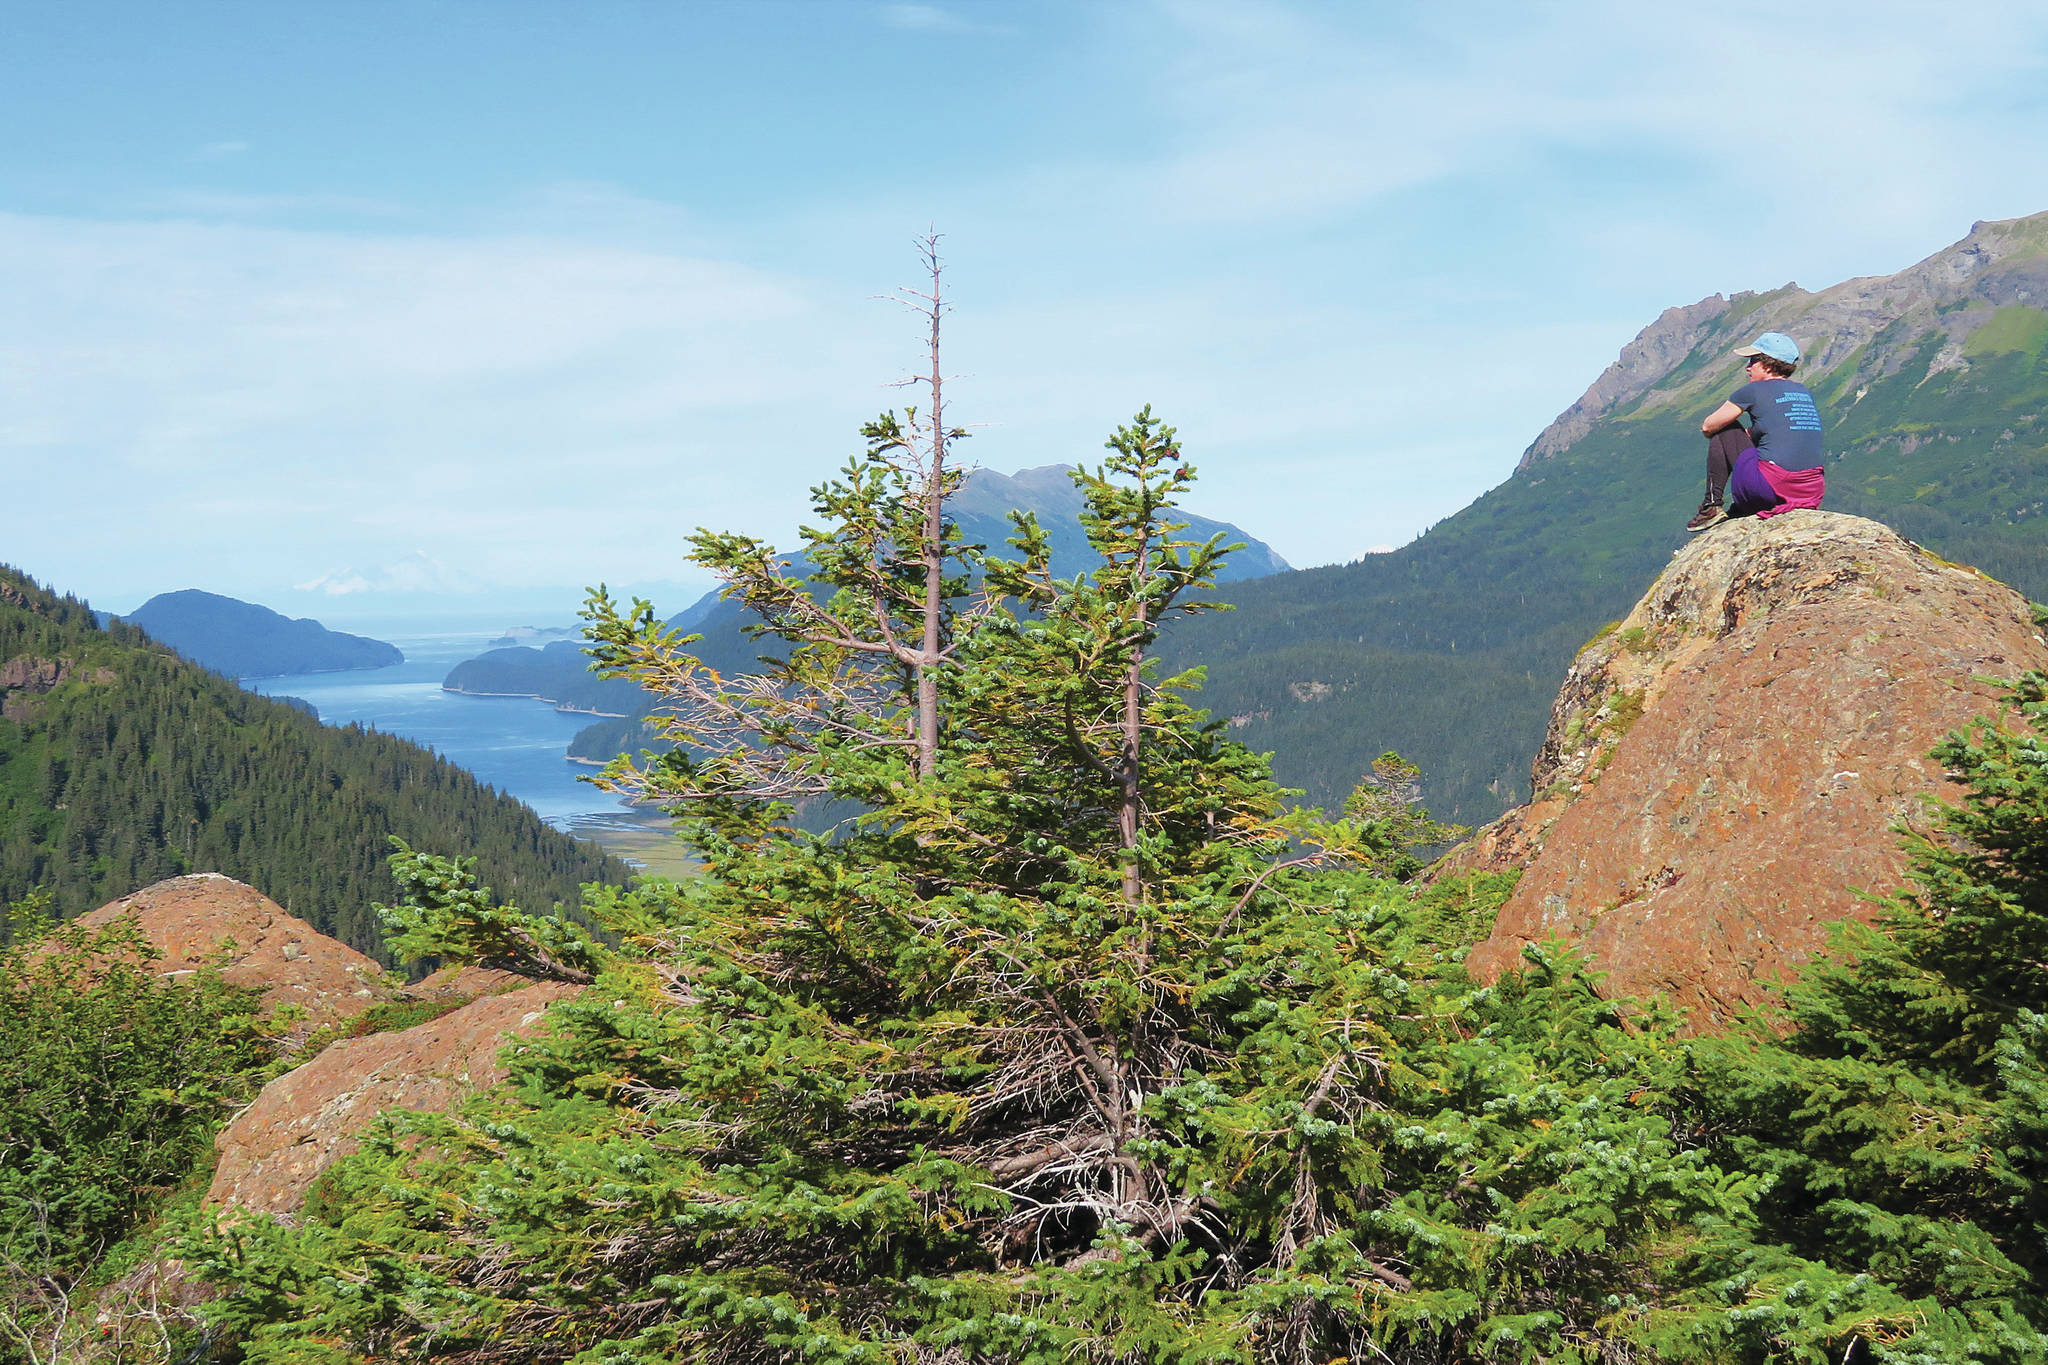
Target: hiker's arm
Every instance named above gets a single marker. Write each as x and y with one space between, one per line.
1720 419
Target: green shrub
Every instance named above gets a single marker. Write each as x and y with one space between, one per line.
395 1016
112 1079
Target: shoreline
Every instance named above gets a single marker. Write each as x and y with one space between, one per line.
303 672
535 696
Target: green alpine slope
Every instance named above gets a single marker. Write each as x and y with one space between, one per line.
121 763
1933 383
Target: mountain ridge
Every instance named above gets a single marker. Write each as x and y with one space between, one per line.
1833 323
557 672
1933 382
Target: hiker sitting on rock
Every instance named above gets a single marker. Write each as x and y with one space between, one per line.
1775 465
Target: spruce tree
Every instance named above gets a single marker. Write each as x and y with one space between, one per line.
1072 1045
861 624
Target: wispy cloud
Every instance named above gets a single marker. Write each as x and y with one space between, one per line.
267 208
503 393
596 212
221 151
1359 255
927 19
418 572
1288 113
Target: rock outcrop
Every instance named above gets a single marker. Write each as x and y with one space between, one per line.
208 919
1724 770
311 1117
25 678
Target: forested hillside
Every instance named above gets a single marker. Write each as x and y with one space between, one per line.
1933 382
121 763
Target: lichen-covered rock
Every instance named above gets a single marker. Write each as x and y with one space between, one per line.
1724 771
458 985
207 919
311 1117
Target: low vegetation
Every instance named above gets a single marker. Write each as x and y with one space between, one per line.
112 1081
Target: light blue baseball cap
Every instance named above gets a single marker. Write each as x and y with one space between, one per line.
1776 345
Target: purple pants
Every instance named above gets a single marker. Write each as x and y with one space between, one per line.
1732 464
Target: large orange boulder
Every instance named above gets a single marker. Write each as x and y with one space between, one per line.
312 1116
1724 771
207 919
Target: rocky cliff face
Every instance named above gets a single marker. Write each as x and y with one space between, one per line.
25 677
1723 771
1675 334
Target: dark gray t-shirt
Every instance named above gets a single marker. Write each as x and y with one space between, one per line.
1783 422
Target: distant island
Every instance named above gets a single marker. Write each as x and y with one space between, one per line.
557 673
530 635
243 640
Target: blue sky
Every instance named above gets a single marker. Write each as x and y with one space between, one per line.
342 307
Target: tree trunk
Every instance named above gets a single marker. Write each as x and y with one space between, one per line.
934 549
1134 730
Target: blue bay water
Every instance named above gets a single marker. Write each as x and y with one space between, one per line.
515 744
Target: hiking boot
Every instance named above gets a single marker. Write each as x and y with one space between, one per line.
1709 513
